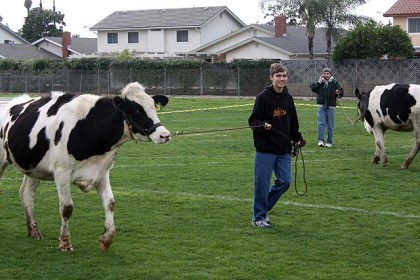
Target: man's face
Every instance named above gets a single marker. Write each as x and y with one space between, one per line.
326 75
279 79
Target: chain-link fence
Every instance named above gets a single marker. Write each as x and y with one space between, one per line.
214 80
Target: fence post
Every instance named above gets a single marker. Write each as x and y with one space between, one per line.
81 81
239 82
98 81
164 80
37 79
68 80
201 80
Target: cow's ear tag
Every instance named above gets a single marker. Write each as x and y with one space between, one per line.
157 106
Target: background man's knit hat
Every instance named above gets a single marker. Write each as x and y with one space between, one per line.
327 70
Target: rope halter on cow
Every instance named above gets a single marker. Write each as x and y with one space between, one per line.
143 131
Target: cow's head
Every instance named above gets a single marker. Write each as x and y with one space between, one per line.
139 110
362 104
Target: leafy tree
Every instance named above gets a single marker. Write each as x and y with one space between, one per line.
42 23
305 12
373 41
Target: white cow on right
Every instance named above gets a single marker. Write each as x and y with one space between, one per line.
395 107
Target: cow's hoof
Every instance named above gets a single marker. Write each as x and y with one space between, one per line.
65 246
105 241
102 247
35 235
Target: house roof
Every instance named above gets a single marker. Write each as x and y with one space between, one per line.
404 8
7 29
78 45
161 18
23 51
295 41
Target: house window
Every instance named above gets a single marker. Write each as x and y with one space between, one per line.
112 38
182 36
133 37
414 25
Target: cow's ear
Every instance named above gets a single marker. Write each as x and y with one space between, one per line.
357 93
120 104
162 100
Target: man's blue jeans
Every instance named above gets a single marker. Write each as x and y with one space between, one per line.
325 121
265 197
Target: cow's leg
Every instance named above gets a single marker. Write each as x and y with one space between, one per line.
27 197
380 147
66 209
105 192
3 167
3 160
416 147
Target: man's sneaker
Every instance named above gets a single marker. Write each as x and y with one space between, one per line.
320 143
328 145
261 224
267 219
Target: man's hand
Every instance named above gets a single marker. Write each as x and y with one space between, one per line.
267 126
301 143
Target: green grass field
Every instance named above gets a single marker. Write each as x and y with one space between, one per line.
183 210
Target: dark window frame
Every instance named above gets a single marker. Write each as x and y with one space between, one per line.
133 37
414 25
182 36
112 37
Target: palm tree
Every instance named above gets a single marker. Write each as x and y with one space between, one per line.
28 5
331 13
307 11
337 13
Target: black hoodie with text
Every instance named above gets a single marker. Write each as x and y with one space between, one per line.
277 109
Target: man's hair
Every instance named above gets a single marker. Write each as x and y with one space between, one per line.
276 68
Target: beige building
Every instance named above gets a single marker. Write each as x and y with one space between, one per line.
406 13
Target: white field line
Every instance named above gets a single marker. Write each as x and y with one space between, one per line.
317 206
248 200
235 106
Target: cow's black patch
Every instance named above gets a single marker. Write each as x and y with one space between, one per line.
61 100
95 135
18 136
17 109
135 114
396 102
58 133
368 117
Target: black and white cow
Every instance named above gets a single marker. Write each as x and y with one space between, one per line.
395 107
73 139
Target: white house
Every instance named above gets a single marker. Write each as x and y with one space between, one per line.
262 41
67 46
162 33
14 46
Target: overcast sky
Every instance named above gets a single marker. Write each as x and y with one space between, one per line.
81 13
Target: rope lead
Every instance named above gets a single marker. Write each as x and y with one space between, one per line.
296 150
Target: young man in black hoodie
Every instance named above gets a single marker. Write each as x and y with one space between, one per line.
275 124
